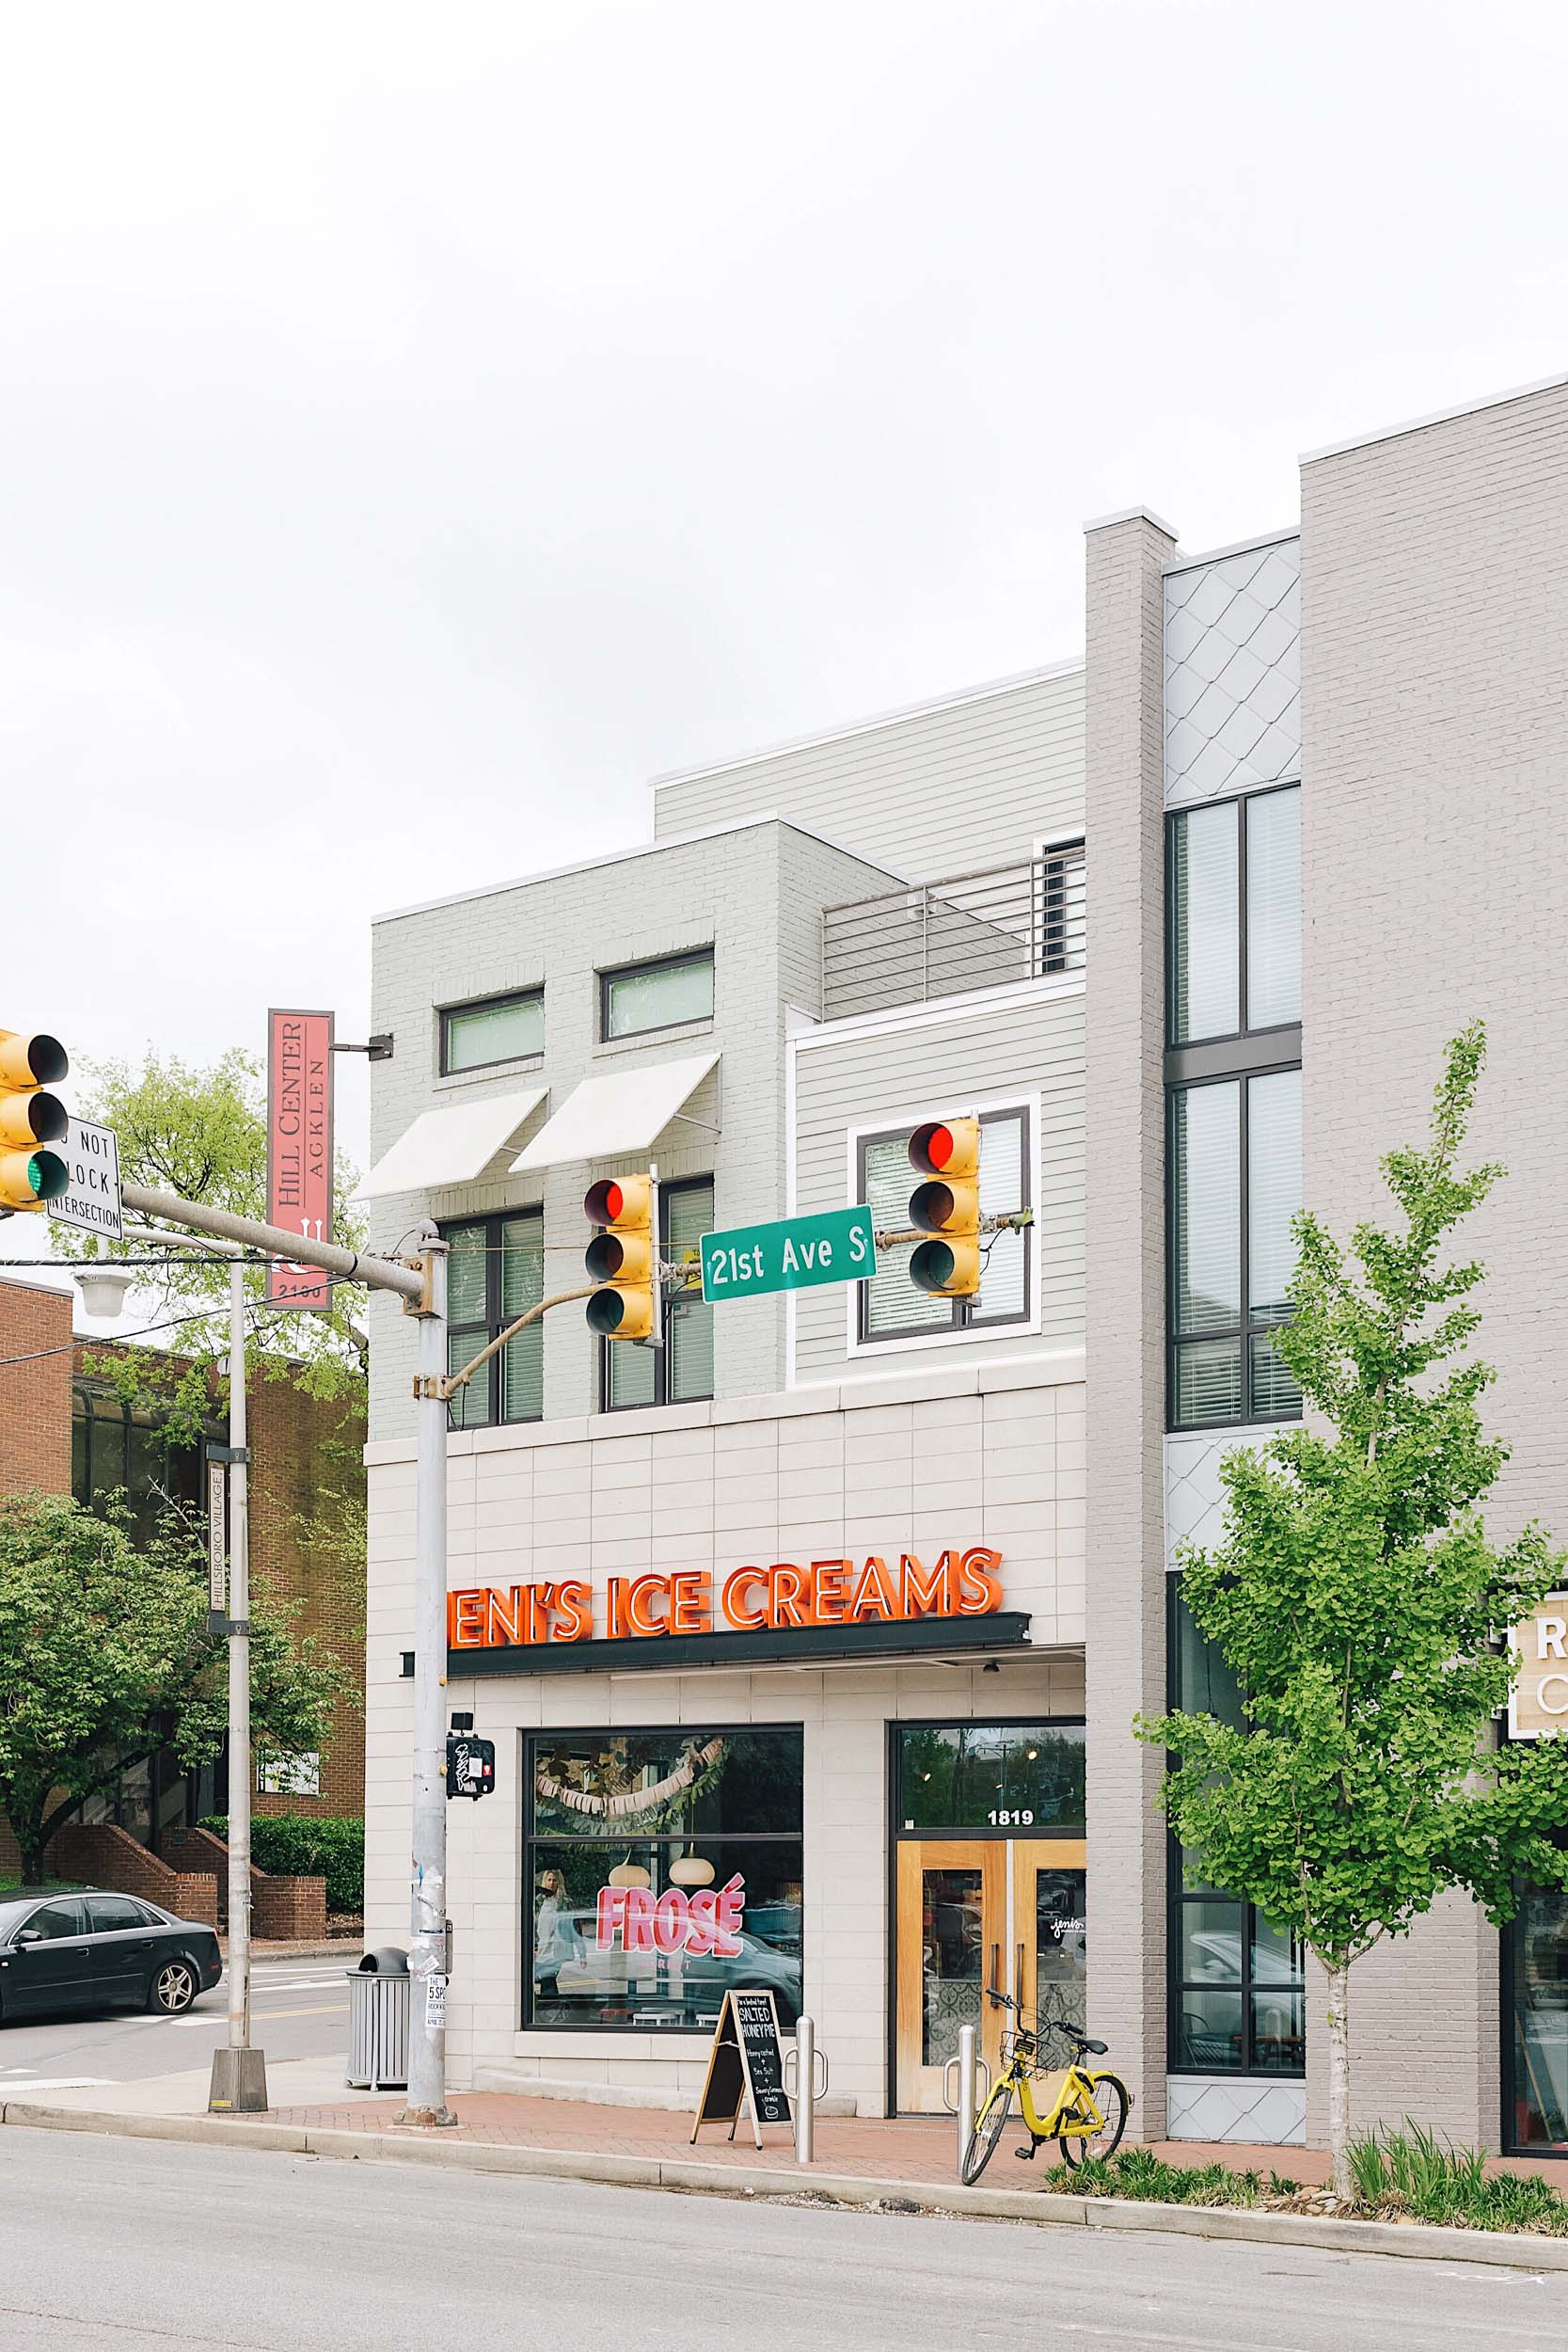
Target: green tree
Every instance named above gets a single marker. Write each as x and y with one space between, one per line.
107 1657
1360 1603
201 1133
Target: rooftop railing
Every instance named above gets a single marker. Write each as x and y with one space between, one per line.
949 938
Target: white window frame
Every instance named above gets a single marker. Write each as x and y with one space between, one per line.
913 1115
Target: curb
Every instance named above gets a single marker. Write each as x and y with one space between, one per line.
1415 2241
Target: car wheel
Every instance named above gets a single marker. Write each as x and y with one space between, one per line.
174 1988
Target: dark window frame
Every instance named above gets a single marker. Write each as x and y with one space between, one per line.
495 1320
653 963
671 1306
529 1842
1241 804
964 1315
1247 1327
445 1015
1178 1897
898 1835
93 1398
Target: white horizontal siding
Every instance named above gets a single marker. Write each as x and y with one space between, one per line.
1030 1045
936 792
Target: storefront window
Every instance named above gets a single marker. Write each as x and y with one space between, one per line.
661 1868
1013 1777
1538 1943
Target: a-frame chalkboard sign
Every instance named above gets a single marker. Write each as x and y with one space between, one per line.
746 2061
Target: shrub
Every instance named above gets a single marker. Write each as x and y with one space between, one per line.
307 1845
1411 2171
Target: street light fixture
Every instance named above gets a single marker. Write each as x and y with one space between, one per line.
239 2083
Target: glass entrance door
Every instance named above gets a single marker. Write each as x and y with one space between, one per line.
974 1912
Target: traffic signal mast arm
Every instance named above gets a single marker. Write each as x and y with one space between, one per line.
446 1384
1006 1221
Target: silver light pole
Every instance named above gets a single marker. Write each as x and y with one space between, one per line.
427 1961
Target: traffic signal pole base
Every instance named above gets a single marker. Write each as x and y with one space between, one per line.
239 2085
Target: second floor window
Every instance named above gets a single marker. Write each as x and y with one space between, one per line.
890 1305
118 1450
502 1028
680 1372
655 996
496 1272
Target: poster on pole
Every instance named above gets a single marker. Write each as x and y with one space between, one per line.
299 1148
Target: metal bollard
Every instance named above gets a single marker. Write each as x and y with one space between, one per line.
805 2090
969 2043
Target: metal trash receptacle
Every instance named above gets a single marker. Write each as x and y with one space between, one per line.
378 1997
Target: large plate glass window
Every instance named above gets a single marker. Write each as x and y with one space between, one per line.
496 1272
1535 1948
1233 917
680 1372
661 1869
659 996
126 1453
890 1307
1237 1982
501 1028
1027 1778
1235 1185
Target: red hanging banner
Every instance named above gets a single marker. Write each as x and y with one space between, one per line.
299 1148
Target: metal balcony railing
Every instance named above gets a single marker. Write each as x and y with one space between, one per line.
949 938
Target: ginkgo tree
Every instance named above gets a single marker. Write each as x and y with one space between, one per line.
1362 1607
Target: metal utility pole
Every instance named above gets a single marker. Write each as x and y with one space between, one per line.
239 2082
421 1286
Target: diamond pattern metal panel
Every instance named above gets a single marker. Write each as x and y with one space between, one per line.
1194 1500
1266 2113
1233 673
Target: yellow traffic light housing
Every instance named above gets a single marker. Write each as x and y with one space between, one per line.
622 1258
31 1119
947 1153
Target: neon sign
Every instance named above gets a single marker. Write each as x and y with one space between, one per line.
707 1921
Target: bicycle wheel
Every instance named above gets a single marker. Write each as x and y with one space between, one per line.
1110 2097
989 2127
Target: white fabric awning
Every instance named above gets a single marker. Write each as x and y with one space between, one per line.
451 1145
607 1117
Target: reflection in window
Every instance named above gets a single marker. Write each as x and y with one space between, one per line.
1538 1948
1026 1776
124 1452
662 1867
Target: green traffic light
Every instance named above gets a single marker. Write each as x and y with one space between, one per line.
47 1174
931 1267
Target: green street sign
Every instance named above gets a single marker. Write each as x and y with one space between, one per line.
795 1254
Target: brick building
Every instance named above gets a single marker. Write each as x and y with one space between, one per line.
1288 825
63 1430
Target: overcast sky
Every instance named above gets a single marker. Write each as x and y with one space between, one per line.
423 425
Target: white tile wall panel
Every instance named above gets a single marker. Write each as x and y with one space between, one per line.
1233 673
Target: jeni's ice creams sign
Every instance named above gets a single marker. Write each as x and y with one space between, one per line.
1539 1705
863 1591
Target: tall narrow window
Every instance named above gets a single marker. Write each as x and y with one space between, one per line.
1233 917
680 1372
496 1272
1235 1185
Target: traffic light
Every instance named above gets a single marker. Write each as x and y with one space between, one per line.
31 1119
947 1153
623 1257
470 1766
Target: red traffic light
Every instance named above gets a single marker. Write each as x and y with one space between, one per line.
606 1202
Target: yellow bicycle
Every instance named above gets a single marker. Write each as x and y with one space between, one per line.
1085 2114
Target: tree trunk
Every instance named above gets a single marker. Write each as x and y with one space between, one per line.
30 1843
1338 2080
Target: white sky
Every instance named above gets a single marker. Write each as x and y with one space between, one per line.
421 425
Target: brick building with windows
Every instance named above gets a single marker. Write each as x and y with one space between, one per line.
64 1430
841 1604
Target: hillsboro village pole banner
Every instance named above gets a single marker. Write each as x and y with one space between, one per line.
299 1147
873 1590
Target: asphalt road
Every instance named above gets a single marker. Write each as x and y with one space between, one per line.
299 2008
141 2245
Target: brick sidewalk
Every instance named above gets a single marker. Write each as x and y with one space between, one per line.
912 2148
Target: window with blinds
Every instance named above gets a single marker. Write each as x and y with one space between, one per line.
496 1272
1233 917
680 1372
1235 1185
890 1305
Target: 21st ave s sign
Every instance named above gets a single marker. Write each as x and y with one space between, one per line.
795 1254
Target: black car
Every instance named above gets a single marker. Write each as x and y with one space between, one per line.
79 1947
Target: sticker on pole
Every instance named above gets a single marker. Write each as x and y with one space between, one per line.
91 1199
435 2003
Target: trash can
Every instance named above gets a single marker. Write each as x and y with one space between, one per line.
378 1995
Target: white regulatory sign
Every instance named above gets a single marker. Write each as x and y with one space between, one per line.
92 1197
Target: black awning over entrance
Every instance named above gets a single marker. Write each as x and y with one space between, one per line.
800 1644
